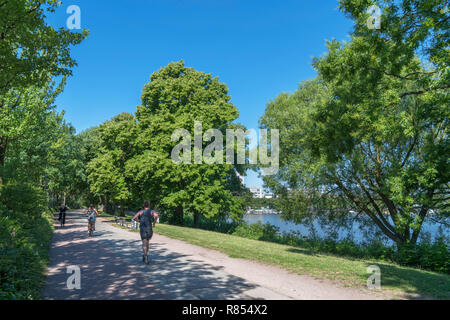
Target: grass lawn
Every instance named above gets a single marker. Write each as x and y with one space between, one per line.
402 282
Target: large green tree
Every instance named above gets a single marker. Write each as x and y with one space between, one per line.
106 169
372 130
175 98
28 127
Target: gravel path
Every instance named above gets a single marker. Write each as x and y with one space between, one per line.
111 268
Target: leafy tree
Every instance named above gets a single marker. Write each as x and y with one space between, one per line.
106 169
28 127
65 173
31 51
175 98
90 143
371 133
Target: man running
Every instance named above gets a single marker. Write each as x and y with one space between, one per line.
148 220
62 215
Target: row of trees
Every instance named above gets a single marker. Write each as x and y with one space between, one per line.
133 159
38 156
35 141
370 133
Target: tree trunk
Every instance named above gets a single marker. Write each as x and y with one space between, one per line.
196 219
109 208
3 145
179 217
122 210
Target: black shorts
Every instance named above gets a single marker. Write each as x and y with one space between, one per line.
146 234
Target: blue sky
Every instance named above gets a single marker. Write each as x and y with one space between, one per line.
258 48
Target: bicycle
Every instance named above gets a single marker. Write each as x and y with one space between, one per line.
91 230
62 221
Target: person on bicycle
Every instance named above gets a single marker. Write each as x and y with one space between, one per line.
62 215
91 214
148 220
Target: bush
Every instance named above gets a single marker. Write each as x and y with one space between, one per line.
431 256
257 231
434 257
25 200
219 224
25 237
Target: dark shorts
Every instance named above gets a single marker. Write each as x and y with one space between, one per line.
146 234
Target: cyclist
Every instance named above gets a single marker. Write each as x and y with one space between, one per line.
148 220
62 215
91 214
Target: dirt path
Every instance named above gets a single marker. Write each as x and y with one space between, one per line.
111 268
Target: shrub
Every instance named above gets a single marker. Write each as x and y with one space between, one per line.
432 256
257 231
25 236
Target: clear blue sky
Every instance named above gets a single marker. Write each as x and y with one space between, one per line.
258 48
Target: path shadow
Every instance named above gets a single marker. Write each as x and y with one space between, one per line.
112 268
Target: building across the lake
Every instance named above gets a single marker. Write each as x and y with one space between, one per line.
260 194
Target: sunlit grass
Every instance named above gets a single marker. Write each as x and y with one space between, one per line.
401 281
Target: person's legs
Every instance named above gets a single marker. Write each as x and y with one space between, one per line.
145 246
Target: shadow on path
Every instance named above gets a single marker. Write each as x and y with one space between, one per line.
111 268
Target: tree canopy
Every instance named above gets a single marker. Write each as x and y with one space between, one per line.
134 162
371 132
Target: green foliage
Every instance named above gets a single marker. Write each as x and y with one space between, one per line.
257 203
25 236
219 224
370 134
176 97
31 51
257 231
106 168
134 159
38 154
25 200
430 256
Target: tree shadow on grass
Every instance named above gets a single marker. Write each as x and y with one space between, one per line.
416 284
413 283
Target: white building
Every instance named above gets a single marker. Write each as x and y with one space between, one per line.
257 192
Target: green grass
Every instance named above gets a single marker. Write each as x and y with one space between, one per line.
401 282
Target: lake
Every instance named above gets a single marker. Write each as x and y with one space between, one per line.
358 231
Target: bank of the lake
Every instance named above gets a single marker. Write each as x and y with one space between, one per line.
357 231
402 282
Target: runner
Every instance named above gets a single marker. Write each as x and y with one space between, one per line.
148 220
62 215
91 213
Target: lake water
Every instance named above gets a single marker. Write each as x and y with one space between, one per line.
359 232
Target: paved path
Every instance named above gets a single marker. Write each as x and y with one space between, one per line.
111 268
